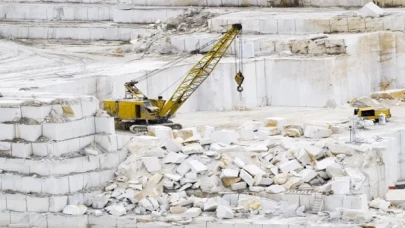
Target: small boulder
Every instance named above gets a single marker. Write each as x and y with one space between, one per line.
151 164
75 210
116 209
275 189
315 132
224 212
192 212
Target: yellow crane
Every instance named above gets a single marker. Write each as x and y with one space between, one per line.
137 111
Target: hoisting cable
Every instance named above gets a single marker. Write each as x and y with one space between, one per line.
196 51
174 62
239 78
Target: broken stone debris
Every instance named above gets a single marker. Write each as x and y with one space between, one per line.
155 182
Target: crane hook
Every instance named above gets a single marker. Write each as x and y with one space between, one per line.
239 78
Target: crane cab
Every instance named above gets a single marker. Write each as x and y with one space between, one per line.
131 109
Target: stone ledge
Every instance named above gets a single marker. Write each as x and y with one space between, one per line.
56 185
63 148
306 23
74 31
268 44
67 166
31 203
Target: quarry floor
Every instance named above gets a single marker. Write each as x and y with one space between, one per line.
340 115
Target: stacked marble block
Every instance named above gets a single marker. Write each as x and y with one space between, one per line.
42 169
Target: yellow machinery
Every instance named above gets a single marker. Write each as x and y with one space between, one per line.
137 111
370 113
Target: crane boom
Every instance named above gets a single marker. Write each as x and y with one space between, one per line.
200 72
136 111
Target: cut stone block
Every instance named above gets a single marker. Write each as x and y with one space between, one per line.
16 202
371 10
339 149
357 215
281 178
238 186
173 177
108 142
314 152
307 175
183 168
193 148
228 181
57 203
293 131
238 162
289 166
99 201
246 177
116 210
161 132
187 133
156 152
380 204
197 166
192 212
224 212
5 147
249 202
317 132
341 185
36 113
292 183
37 204
257 148
62 131
214 202
173 145
7 131
152 164
302 156
105 125
28 132
226 136
251 125
246 135
207 141
90 106
324 163
88 127
278 122
21 150
175 158
275 189
254 170
9 114
264 132
229 173
207 132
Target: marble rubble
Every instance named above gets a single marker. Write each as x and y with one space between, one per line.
227 180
